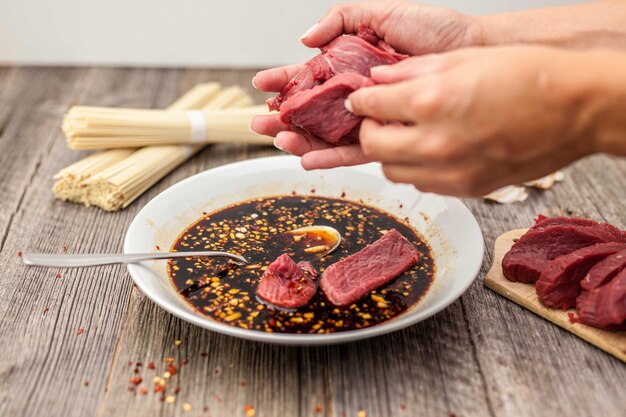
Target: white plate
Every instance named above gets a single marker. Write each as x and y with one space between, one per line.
445 222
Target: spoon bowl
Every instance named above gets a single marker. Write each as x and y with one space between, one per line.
330 237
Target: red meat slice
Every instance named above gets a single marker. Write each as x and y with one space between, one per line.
528 257
605 307
559 284
287 284
336 123
346 281
604 271
543 222
348 54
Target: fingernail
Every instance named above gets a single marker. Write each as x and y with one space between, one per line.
309 31
253 83
276 145
348 105
380 68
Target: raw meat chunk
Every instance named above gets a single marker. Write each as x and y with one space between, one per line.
287 284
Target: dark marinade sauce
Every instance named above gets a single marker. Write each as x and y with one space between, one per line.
257 229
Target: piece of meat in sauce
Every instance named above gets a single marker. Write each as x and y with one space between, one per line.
530 255
348 280
604 271
605 306
347 54
288 284
558 285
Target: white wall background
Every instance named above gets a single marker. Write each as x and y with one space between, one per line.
229 33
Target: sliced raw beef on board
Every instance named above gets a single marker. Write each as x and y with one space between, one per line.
347 54
604 271
348 280
529 256
543 222
558 285
288 284
605 307
332 121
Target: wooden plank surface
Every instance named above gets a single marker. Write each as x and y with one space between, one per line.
484 355
526 296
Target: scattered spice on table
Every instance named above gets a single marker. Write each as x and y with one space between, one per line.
242 383
249 410
45 310
136 380
58 276
19 253
361 414
80 331
186 407
318 409
86 383
143 390
177 342
151 365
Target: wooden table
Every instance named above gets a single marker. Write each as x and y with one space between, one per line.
482 356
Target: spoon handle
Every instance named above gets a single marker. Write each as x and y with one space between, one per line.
72 261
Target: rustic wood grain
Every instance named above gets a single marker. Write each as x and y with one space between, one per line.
525 295
484 355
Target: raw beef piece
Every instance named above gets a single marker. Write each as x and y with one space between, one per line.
346 281
528 257
287 284
543 222
605 307
333 93
348 54
558 285
604 271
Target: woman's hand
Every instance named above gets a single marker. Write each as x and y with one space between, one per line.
408 27
474 120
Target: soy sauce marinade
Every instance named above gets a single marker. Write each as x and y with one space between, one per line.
257 230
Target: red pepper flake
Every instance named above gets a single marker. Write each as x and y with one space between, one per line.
86 383
171 368
138 364
452 415
249 410
131 388
135 380
204 354
151 365
159 388
58 276
65 248
130 364
19 253
402 406
169 360
343 195
217 371
184 362
205 408
242 383
162 398
318 409
143 390
401 205
176 390
45 310
218 398
158 247
136 370
312 190
572 318
80 331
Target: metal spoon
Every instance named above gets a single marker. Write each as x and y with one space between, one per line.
72 261
335 235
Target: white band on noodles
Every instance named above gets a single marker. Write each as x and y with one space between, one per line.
198 126
188 150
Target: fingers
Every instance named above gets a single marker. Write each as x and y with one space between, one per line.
298 144
340 19
383 102
268 125
410 68
411 144
275 79
345 155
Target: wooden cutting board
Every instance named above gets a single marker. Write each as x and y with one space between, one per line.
525 295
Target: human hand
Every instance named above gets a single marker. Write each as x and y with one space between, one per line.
477 119
408 27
